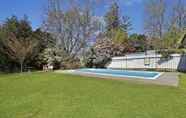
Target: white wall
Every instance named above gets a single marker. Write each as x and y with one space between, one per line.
155 61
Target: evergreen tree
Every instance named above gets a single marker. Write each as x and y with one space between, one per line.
112 18
117 26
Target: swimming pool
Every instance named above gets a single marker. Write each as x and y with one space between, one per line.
120 73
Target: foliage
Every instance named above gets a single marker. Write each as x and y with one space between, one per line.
165 54
164 23
90 56
112 17
171 41
17 39
19 44
119 36
183 42
94 60
170 44
45 40
172 37
171 51
139 41
71 63
68 30
51 56
3 62
114 21
58 58
182 39
104 49
117 27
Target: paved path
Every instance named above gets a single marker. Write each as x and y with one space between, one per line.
167 78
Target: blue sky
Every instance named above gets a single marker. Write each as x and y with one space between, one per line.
35 10
32 8
132 8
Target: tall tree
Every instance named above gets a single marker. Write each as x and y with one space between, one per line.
17 40
19 50
176 25
114 21
112 17
71 27
179 15
117 26
155 18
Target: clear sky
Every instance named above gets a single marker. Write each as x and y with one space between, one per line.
35 10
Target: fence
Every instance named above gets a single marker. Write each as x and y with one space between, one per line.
152 61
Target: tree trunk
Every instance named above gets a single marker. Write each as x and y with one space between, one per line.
21 66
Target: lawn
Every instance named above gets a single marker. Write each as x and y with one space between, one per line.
51 95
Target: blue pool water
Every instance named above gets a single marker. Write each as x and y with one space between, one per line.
121 73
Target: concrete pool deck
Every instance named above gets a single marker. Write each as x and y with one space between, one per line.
166 78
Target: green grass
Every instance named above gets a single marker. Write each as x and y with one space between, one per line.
50 95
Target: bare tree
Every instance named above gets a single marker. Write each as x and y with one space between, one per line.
179 15
73 27
155 18
17 49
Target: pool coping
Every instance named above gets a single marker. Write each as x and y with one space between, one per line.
122 76
165 79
